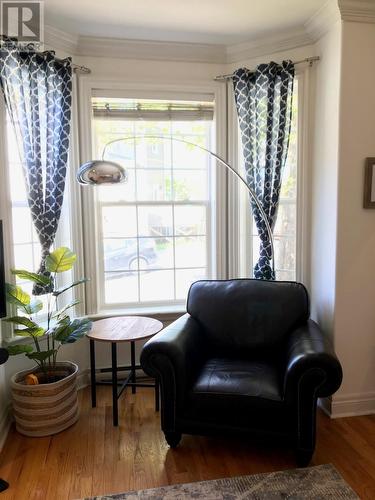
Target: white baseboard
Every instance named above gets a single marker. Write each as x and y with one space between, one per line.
83 379
349 405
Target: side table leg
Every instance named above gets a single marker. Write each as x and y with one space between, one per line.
132 355
114 384
93 375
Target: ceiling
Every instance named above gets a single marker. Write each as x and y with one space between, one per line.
200 21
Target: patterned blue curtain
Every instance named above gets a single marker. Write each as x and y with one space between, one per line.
264 106
37 89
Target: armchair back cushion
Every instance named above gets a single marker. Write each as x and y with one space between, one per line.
247 315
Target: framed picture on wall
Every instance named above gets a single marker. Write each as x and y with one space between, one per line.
369 191
3 310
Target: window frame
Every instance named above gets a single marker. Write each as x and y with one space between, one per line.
90 87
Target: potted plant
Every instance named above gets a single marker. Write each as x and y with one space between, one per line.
45 397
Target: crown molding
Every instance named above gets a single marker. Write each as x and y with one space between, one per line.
320 23
360 11
60 40
151 50
190 52
282 41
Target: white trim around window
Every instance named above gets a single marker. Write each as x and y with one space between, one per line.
89 87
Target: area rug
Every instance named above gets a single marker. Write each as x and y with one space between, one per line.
320 482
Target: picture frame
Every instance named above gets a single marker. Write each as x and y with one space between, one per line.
369 186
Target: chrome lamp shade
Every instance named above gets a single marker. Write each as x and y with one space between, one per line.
101 172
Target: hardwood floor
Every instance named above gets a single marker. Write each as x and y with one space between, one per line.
93 457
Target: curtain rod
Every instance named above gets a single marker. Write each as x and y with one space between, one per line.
309 60
35 46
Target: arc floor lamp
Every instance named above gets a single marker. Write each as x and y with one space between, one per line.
97 172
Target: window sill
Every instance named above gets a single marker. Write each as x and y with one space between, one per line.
165 314
20 340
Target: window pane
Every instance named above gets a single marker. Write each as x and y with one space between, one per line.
154 220
190 185
22 225
120 254
184 278
286 220
187 156
126 255
154 152
189 220
121 151
119 192
153 185
17 182
191 251
119 221
37 255
285 254
156 285
109 130
156 253
121 287
23 257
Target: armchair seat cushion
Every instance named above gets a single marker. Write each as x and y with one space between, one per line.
225 384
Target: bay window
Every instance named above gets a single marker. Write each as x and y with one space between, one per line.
145 241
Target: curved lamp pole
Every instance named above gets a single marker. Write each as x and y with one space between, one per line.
96 172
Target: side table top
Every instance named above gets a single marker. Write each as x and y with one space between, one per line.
124 329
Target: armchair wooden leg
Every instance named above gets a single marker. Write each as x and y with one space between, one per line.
303 457
173 438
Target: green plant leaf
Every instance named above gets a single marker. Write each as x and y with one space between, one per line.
19 349
59 326
75 283
35 306
21 320
70 332
35 278
16 296
34 331
60 260
42 355
59 313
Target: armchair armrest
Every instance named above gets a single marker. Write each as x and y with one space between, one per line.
310 356
175 352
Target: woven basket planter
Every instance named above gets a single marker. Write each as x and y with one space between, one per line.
46 409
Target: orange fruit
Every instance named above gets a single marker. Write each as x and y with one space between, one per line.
31 379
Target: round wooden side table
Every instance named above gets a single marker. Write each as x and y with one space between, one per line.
121 329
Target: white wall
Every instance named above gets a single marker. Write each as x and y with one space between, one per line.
324 175
355 277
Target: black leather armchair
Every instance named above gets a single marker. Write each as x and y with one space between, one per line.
246 358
